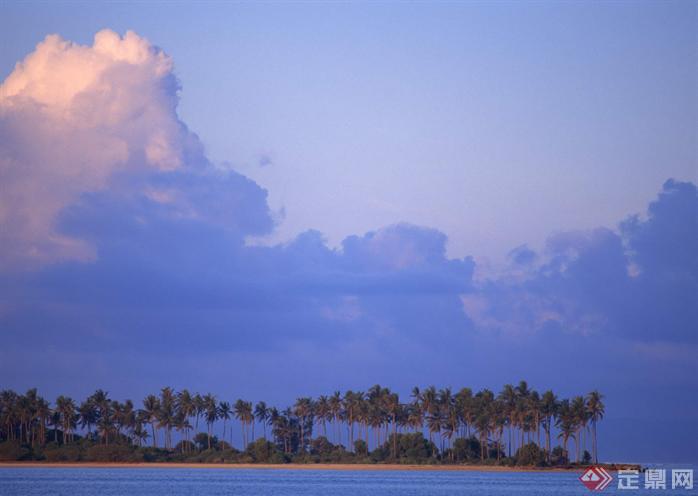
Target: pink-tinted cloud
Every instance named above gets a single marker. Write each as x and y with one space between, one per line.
71 117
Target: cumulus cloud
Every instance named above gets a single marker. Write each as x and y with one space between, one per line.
639 281
522 255
73 120
99 169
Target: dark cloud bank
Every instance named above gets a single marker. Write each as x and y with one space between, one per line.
183 301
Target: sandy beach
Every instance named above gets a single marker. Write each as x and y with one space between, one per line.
293 466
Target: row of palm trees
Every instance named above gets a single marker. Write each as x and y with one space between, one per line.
505 422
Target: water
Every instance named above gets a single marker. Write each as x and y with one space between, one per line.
57 481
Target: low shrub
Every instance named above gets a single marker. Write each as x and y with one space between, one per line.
66 453
113 453
13 450
530 455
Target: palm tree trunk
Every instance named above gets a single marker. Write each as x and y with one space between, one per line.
351 432
302 447
499 441
596 454
394 437
578 444
509 429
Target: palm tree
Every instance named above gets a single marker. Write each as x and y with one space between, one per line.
415 418
224 412
261 413
376 413
416 413
335 405
549 406
510 398
151 407
185 409
43 415
199 410
534 414
182 425
434 422
350 403
498 421
140 431
28 409
303 409
25 414
281 428
596 410
8 412
579 412
323 412
393 408
447 403
55 421
521 410
65 407
362 414
483 424
430 409
211 415
166 413
565 422
464 406
105 412
243 412
88 415
126 417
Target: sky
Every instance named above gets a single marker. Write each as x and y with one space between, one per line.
269 200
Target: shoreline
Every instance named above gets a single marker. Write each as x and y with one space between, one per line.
298 466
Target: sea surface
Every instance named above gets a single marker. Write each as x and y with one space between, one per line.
60 481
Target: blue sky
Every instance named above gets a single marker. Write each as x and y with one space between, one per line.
288 199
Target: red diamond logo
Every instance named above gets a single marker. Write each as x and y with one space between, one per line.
595 478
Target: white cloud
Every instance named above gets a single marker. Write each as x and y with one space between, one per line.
71 117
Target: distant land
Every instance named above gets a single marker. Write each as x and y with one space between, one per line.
318 466
515 428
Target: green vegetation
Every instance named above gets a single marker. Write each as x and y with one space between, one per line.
515 427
